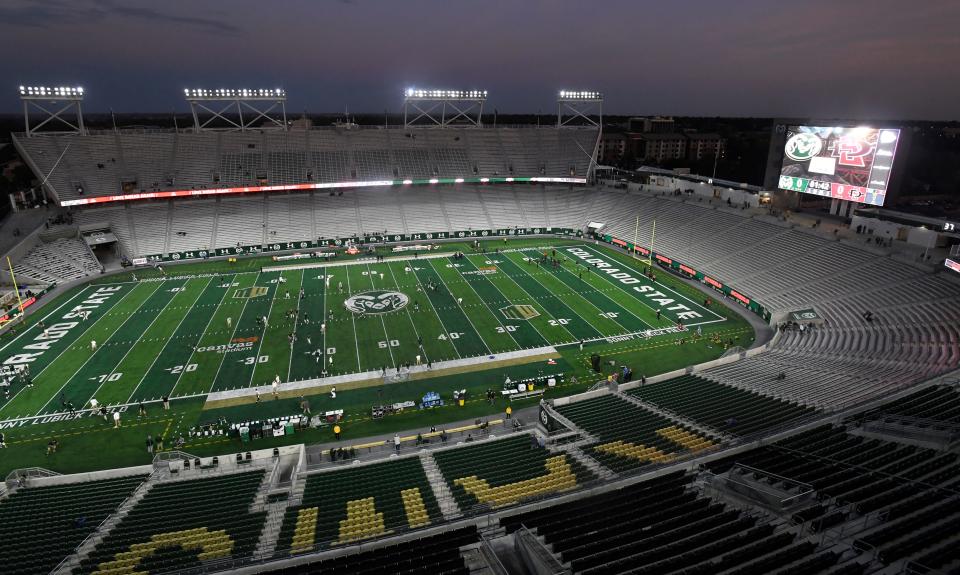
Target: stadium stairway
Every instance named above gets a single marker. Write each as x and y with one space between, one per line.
573 450
71 563
274 519
441 492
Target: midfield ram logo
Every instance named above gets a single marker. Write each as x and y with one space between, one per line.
377 302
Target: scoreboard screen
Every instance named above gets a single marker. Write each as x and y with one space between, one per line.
839 162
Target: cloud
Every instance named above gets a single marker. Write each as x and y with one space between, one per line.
55 13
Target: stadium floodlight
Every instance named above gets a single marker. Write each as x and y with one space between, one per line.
233 94
235 102
465 105
580 95
52 92
69 96
420 94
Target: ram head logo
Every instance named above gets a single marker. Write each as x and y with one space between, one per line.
376 302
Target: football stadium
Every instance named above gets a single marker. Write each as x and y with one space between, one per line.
249 345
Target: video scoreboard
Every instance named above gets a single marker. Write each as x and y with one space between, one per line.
842 163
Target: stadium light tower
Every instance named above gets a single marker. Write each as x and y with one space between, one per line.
574 104
260 103
67 97
465 106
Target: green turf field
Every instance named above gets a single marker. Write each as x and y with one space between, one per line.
195 330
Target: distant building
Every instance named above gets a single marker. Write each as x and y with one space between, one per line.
700 146
660 147
654 125
613 147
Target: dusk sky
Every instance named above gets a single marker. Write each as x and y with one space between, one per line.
821 58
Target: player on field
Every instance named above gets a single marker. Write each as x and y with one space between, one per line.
93 345
229 322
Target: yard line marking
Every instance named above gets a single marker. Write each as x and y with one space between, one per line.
461 308
514 282
170 339
382 321
590 303
98 349
229 285
233 335
356 343
129 349
416 332
46 317
436 313
296 324
266 326
664 286
323 320
604 294
505 300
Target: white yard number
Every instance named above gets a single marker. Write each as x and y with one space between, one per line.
453 265
559 321
176 289
506 328
183 368
256 359
111 377
391 343
609 314
453 335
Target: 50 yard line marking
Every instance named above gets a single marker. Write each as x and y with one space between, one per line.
170 339
416 332
383 322
356 343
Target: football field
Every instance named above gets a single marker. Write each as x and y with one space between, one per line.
189 335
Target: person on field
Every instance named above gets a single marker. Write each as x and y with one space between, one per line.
166 403
336 432
333 392
149 444
116 419
142 409
159 442
93 345
396 442
3 442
